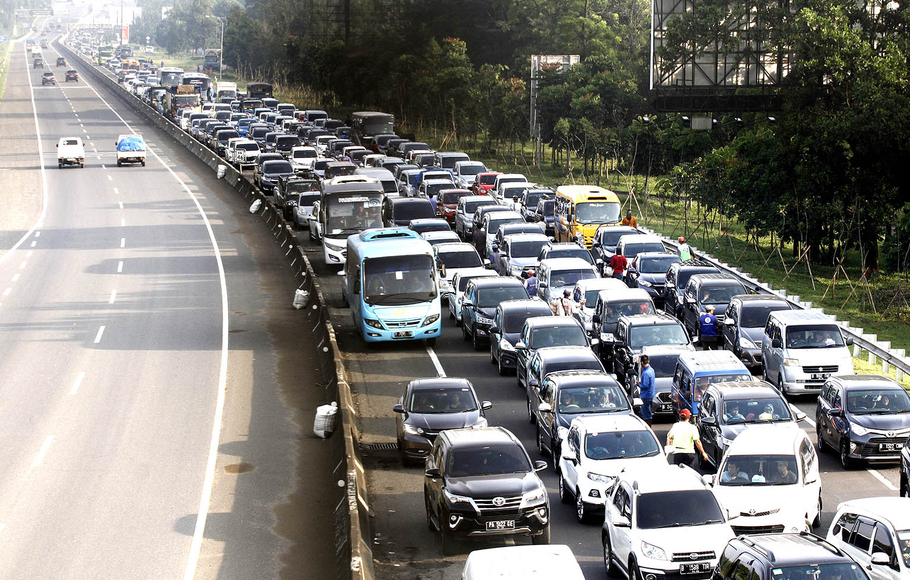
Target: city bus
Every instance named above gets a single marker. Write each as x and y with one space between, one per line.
171 76
201 81
346 209
581 209
390 284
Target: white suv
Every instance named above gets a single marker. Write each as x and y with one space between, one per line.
663 521
875 532
595 450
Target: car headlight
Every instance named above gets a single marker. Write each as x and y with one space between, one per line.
600 478
644 283
791 362
484 320
333 247
412 429
746 343
514 269
533 497
858 429
456 499
372 322
505 345
430 319
653 552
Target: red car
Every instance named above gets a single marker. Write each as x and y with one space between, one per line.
484 182
447 201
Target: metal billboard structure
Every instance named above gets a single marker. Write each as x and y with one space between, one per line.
735 69
559 62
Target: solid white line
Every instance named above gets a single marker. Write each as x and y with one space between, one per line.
98 336
439 370
122 242
33 244
120 266
882 479
22 265
77 384
113 297
43 451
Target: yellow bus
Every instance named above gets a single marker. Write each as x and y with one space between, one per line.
581 209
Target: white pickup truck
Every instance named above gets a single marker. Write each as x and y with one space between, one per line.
130 149
70 151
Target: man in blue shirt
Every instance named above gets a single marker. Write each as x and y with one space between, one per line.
646 387
708 328
531 283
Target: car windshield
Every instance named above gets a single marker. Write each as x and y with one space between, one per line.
558 336
755 470
434 188
560 278
582 364
657 265
412 210
814 336
597 212
878 401
591 297
499 459
512 322
600 399
443 400
613 310
491 297
755 410
633 249
247 146
453 196
721 294
571 252
671 509
650 335
757 316
304 153
471 206
529 249
277 167
466 259
496 221
302 186
398 280
463 282
621 445
846 571
664 365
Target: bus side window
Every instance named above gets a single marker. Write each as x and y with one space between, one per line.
356 280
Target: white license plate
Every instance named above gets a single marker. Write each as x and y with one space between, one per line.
664 407
500 525
403 334
695 568
819 376
889 446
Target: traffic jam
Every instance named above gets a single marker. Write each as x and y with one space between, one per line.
606 331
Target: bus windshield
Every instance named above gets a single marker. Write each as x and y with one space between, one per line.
398 280
350 214
597 212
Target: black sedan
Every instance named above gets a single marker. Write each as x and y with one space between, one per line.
271 172
648 271
430 405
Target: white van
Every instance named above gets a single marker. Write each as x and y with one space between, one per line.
802 348
525 562
768 481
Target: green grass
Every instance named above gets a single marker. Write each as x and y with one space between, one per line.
862 367
5 53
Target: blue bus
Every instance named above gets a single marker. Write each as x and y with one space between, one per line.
391 285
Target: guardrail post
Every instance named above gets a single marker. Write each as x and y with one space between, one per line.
886 366
871 338
899 353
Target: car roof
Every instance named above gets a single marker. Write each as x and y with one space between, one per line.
851 382
561 353
480 435
650 319
524 236
622 294
754 389
447 247
655 478
446 235
524 305
439 383
603 284
787 316
548 321
497 281
425 221
565 264
783 549
552 560
641 255
640 239
582 377
712 360
503 215
715 277
749 298
609 423
894 510
774 439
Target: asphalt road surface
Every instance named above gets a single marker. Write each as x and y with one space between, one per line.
153 411
402 546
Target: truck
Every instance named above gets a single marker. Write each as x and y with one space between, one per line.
130 149
185 96
211 60
225 92
70 151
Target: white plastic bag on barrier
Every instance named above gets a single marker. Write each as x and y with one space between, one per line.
254 208
222 169
325 420
301 298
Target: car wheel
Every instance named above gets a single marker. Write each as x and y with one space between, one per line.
532 419
492 358
447 540
464 330
452 311
818 517
564 495
503 371
554 453
475 342
608 556
430 523
820 442
580 513
904 487
543 538
59 166
634 572
845 460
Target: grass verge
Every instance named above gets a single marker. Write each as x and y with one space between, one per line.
5 54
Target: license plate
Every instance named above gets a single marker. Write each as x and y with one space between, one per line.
695 568
889 446
666 407
500 525
820 376
403 334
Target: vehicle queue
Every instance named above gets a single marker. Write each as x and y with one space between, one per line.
600 323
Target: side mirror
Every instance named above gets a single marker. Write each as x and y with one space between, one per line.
690 300
709 478
433 472
570 456
800 416
775 343
521 346
711 421
880 559
399 408
622 522
486 406
545 408
835 412
494 329
540 466
467 304
595 319
728 322
442 271
849 342
542 285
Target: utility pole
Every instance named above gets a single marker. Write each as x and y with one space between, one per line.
220 50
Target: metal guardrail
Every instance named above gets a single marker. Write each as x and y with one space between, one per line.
869 343
353 551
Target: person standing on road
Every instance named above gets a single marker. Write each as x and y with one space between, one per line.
618 265
629 220
708 328
563 306
531 283
685 253
646 388
684 438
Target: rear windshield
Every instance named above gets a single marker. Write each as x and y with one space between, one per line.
573 365
757 316
491 297
277 167
413 211
558 336
460 259
248 146
548 207
487 179
720 294
471 206
529 249
657 265
668 509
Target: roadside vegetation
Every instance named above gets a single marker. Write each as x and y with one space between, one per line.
5 54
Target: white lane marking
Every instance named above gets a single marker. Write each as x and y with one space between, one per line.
120 203
882 479
37 234
16 277
92 145
33 244
122 221
117 190
84 132
7 291
122 242
113 297
809 421
43 172
204 501
77 384
87 137
22 265
95 151
29 253
439 370
109 178
43 451
100 333
120 266
81 125
103 166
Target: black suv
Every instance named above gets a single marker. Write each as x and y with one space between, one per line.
705 290
744 324
785 557
481 298
481 482
633 333
604 243
508 321
677 277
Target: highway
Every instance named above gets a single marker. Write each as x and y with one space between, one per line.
151 404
